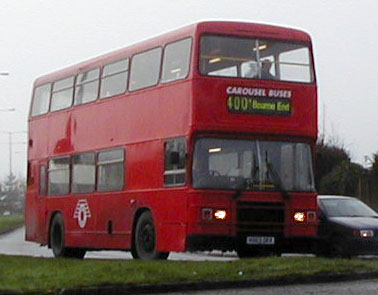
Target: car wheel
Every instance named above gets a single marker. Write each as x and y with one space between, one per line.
339 249
335 247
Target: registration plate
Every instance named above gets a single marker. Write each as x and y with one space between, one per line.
257 240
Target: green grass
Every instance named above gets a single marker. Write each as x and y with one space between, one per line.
10 222
25 274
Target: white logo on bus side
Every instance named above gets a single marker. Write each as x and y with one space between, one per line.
82 212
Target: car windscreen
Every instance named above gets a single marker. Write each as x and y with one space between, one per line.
347 208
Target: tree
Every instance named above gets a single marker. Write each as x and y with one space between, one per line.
344 179
374 167
373 173
12 195
328 156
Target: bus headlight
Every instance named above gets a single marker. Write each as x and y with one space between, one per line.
299 216
220 214
217 214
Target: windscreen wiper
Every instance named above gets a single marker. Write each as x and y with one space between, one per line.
241 189
277 181
246 182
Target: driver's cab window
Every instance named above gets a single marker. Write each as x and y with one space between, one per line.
175 162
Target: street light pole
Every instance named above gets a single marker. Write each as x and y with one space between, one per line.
5 73
10 144
10 153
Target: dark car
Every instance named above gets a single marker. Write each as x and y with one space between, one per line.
347 227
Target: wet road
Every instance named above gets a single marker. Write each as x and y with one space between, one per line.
368 287
14 244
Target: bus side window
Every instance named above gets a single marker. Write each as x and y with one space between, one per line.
176 60
175 162
114 78
59 176
41 100
42 180
86 89
62 94
30 175
110 170
145 69
83 173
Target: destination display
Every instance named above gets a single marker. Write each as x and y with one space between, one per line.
259 101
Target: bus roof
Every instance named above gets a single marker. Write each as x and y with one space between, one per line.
216 27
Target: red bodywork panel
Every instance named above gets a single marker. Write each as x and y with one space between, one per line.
140 122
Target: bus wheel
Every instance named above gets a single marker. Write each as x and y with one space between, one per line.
57 240
144 239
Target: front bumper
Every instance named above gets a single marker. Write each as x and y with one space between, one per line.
362 246
198 242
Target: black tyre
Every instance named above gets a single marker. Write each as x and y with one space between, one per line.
333 248
144 245
57 240
339 248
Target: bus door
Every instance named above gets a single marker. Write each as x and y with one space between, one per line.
41 201
112 215
36 202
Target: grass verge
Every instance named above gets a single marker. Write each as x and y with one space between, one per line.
26 274
10 222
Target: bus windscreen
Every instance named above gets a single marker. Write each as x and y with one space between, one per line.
249 164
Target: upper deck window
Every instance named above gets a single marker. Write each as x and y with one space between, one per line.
176 60
41 100
114 78
255 59
86 89
145 69
62 94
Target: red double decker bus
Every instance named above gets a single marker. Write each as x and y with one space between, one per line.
200 139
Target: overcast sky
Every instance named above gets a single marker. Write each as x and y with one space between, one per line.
41 36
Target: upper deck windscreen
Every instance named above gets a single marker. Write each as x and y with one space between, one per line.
252 58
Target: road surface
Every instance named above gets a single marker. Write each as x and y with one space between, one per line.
14 244
368 287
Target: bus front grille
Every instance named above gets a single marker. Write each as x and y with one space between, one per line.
260 218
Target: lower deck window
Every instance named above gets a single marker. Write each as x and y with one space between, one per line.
83 173
110 170
59 176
